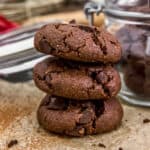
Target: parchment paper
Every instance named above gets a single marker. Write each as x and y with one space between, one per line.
18 105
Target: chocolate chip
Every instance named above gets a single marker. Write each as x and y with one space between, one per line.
120 148
101 78
101 145
48 78
99 108
92 74
44 45
146 120
87 116
12 143
57 104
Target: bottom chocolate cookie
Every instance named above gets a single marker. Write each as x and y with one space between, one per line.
79 118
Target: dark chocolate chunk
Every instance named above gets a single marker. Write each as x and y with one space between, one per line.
146 120
12 143
84 119
43 44
101 145
101 78
57 104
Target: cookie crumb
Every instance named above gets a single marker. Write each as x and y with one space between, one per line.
101 145
120 148
146 120
12 143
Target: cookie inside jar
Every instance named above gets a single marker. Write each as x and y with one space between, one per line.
130 22
135 42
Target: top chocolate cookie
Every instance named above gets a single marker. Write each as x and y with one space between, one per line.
78 42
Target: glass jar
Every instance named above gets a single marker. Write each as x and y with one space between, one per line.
129 20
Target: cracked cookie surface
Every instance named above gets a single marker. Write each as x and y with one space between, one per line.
78 118
74 80
78 42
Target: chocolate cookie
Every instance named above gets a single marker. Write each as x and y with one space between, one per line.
136 79
134 41
136 56
76 80
78 118
78 42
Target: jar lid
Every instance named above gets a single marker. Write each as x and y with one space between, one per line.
129 11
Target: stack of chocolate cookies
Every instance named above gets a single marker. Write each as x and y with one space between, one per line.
80 82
